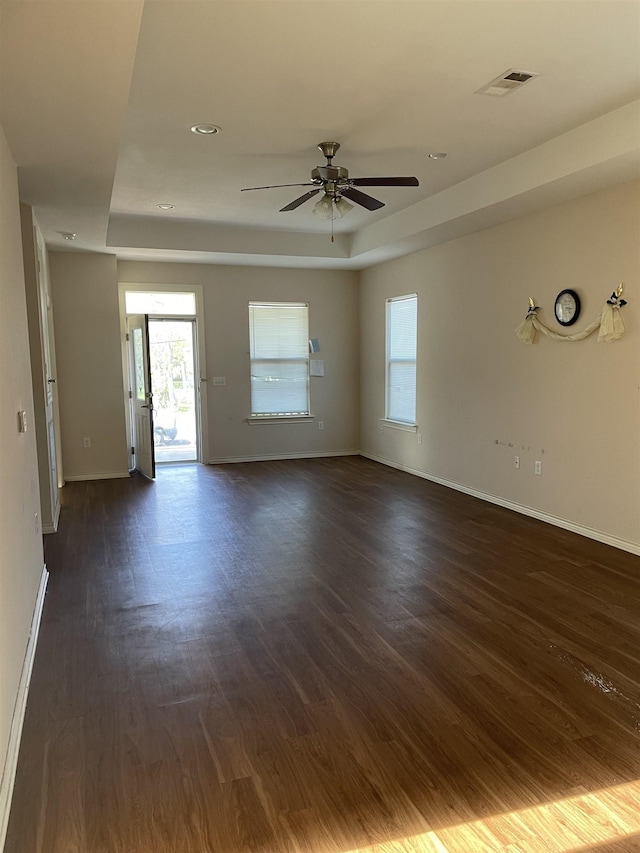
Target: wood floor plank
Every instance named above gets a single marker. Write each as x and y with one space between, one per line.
326 656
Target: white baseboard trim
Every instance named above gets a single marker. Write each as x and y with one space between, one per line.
11 760
108 475
557 521
224 460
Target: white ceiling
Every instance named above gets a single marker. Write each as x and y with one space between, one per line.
98 97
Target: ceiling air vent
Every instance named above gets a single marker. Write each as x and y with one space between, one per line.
507 83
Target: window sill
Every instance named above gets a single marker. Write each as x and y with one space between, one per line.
296 419
399 425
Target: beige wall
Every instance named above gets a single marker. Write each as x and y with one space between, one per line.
90 386
484 397
21 558
333 319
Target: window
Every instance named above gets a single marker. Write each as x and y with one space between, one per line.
402 334
151 302
279 348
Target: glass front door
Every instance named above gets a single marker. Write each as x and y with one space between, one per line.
171 355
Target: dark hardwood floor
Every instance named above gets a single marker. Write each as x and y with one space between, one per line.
322 656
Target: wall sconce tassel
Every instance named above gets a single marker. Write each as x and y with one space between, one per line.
526 331
611 325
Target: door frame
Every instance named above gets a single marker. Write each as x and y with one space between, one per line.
202 420
53 482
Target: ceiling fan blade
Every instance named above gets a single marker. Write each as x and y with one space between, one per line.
384 182
276 186
362 198
292 205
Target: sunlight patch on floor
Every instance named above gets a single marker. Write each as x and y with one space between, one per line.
573 825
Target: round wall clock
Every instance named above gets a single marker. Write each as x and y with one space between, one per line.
567 307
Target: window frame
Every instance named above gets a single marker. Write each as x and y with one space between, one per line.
281 416
390 418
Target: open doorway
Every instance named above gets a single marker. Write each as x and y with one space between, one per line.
172 360
175 397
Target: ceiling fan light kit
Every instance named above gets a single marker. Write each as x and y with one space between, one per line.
337 187
324 208
331 208
343 206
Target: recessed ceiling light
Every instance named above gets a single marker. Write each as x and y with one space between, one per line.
206 129
165 206
437 155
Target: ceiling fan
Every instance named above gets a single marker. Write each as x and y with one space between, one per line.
338 186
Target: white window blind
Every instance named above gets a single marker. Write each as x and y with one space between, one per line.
279 347
402 336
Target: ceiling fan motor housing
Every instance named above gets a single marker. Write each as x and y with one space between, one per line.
330 174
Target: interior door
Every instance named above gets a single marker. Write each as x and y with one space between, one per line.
141 395
46 323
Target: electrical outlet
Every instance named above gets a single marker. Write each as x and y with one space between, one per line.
516 461
86 442
537 467
320 424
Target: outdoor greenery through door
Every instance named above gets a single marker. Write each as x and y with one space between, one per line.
172 379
